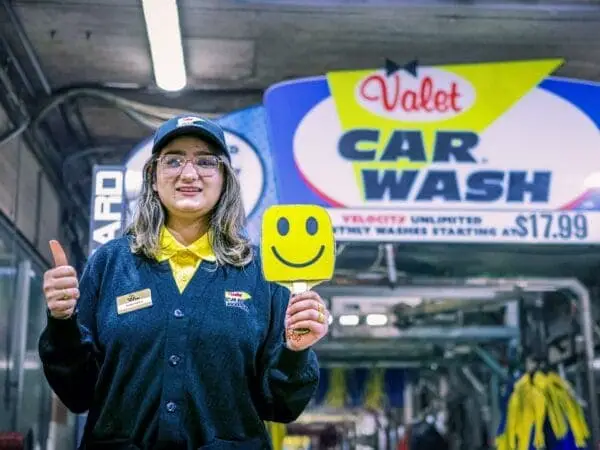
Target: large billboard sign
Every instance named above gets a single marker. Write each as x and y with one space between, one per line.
486 153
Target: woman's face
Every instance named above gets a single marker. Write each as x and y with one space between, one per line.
189 177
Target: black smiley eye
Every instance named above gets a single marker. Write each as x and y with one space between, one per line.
312 226
283 226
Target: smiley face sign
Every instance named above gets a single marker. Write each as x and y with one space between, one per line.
297 244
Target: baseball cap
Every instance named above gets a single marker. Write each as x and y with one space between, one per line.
189 125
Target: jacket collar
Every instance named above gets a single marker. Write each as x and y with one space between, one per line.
169 247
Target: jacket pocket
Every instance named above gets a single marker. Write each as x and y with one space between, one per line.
248 444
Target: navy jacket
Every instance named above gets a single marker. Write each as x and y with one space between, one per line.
198 370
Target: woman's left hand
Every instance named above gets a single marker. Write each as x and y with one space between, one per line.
306 312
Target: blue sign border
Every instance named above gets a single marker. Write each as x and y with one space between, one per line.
287 104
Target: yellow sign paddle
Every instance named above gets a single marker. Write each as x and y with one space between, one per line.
297 247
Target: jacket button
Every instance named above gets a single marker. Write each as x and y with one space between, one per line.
178 313
171 407
173 360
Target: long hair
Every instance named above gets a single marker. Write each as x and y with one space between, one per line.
226 224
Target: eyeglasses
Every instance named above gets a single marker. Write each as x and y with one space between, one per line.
205 165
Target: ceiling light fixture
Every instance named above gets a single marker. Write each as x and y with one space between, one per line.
164 36
349 320
377 320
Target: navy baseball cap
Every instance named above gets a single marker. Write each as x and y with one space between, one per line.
189 125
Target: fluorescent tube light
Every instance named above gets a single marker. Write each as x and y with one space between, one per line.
349 320
377 320
164 37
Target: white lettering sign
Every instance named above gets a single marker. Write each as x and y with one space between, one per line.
107 208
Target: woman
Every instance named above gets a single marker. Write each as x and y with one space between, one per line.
172 339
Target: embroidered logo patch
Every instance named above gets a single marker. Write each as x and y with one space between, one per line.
237 299
187 121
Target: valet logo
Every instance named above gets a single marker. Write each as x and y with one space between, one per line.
431 96
245 160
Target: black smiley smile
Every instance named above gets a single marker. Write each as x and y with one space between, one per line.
283 228
298 265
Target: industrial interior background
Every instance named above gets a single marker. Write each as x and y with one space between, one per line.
77 89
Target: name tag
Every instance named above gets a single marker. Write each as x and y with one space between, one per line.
134 301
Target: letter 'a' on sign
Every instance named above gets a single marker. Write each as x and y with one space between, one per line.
297 246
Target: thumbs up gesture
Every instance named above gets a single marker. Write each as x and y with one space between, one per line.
61 287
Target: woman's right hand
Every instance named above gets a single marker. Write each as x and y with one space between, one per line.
61 287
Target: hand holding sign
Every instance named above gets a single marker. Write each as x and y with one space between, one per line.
61 287
298 252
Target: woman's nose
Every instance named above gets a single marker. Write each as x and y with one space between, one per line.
188 171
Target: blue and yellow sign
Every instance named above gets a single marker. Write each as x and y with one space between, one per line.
493 152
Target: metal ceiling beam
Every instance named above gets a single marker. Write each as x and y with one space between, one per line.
472 334
208 101
108 149
70 117
431 291
27 47
445 306
365 363
578 6
35 64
